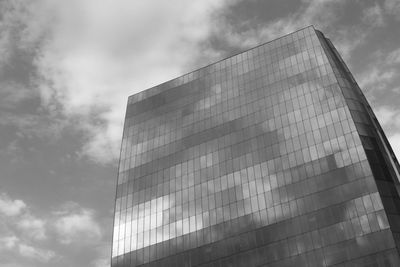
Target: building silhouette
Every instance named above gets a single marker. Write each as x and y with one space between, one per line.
271 157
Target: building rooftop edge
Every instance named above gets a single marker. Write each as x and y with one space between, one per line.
220 60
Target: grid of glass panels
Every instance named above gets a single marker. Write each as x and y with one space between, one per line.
383 162
252 161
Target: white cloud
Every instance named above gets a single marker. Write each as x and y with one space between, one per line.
388 116
373 15
394 141
28 235
325 15
92 55
14 244
376 78
380 75
76 224
35 253
393 57
393 7
33 227
8 242
20 230
11 207
101 262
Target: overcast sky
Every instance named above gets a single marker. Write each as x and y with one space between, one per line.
67 68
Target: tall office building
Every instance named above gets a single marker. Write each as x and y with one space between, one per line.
271 157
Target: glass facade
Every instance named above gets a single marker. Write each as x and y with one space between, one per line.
271 157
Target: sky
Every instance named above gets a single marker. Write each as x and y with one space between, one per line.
68 67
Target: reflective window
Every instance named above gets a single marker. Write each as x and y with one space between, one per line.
269 157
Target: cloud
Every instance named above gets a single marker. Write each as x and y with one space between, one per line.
375 78
101 262
9 207
8 242
310 12
381 75
103 250
373 15
388 116
87 57
393 7
33 227
12 94
20 230
76 224
394 141
35 253
90 56
14 244
325 15
394 57
52 235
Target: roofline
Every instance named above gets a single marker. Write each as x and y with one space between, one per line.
206 66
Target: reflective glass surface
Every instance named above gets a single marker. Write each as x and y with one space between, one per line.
267 158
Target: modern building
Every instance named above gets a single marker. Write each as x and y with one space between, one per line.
271 157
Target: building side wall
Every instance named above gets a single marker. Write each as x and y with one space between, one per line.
384 165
